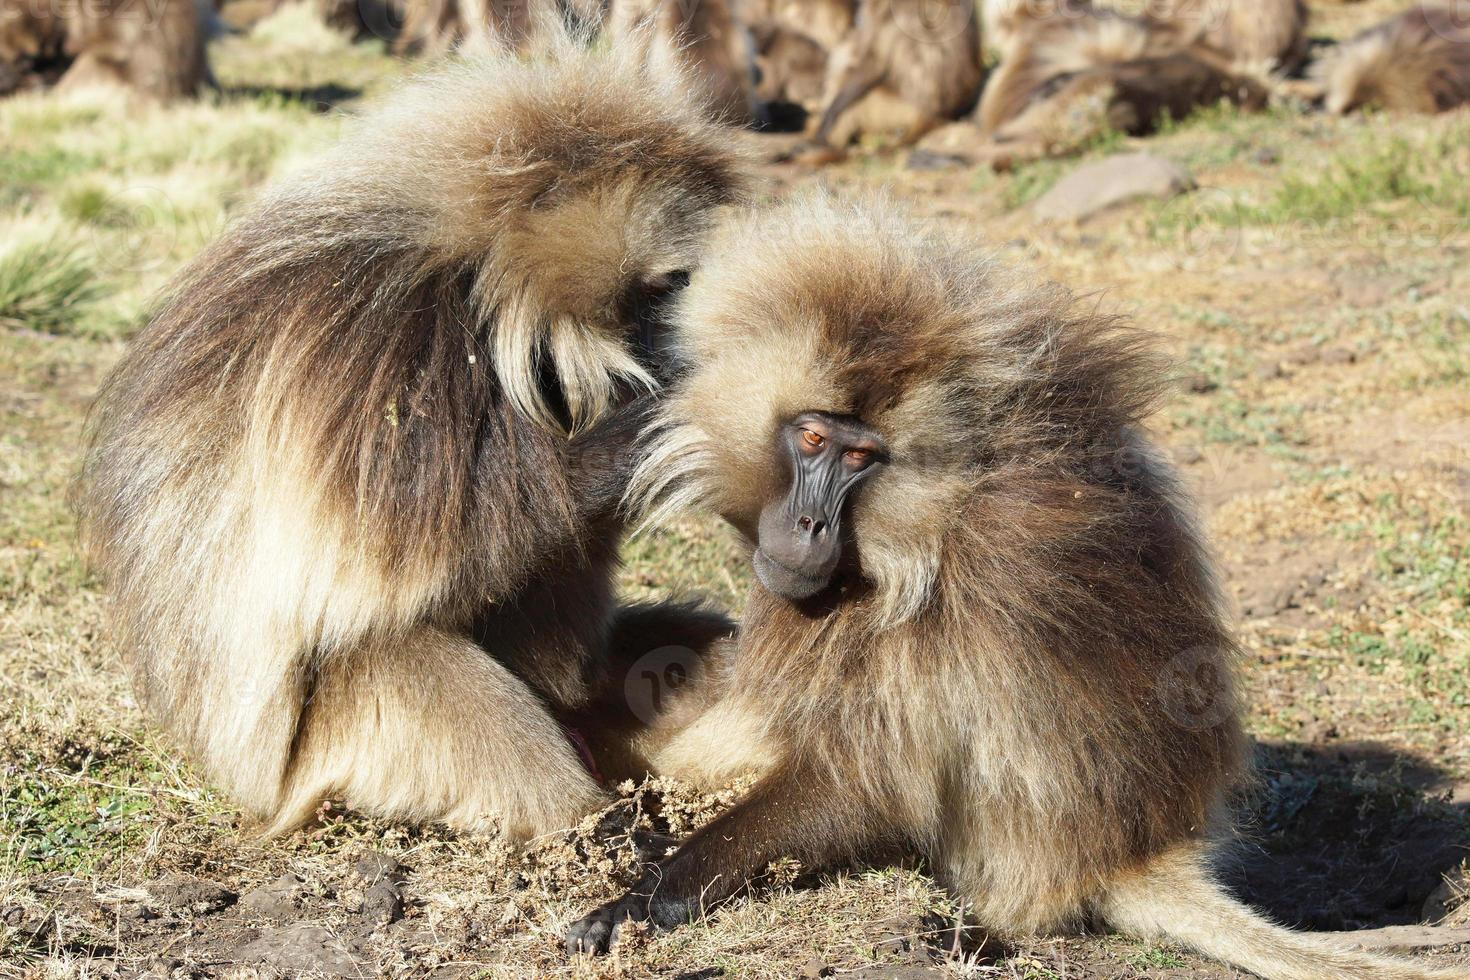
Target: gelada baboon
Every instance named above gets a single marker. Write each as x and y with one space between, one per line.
1003 20
1416 62
1268 33
356 485
156 48
1067 80
793 40
363 19
983 624
433 27
906 67
701 38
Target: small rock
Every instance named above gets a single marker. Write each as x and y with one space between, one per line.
276 900
136 912
1267 156
1095 187
382 904
374 866
1305 355
1270 370
300 948
13 917
1339 355
929 160
197 895
815 968
1366 290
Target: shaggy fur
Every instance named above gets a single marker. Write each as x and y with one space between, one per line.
155 48
1004 20
1416 62
1268 33
906 67
1068 79
1026 675
355 486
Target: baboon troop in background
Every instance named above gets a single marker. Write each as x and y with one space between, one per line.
357 486
1065 70
155 48
1067 78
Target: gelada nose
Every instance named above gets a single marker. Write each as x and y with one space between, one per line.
810 525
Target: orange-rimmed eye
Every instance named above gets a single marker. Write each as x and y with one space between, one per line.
858 457
812 439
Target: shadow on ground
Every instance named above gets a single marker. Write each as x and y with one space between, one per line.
1350 836
319 98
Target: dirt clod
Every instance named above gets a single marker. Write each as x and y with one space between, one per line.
382 904
276 900
301 948
186 892
374 866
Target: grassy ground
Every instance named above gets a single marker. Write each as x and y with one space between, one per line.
1315 291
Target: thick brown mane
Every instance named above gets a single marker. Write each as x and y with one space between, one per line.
351 446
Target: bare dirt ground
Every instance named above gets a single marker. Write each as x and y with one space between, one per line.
1315 292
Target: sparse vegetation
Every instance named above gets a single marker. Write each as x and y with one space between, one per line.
45 285
1321 419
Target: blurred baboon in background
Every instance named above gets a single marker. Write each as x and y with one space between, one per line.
1418 61
701 38
433 27
1042 48
356 487
1067 80
155 47
793 42
906 67
1266 33
362 19
791 70
1003 20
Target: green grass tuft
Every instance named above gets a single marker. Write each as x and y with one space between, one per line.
48 286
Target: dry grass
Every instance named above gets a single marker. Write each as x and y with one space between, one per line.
1316 293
